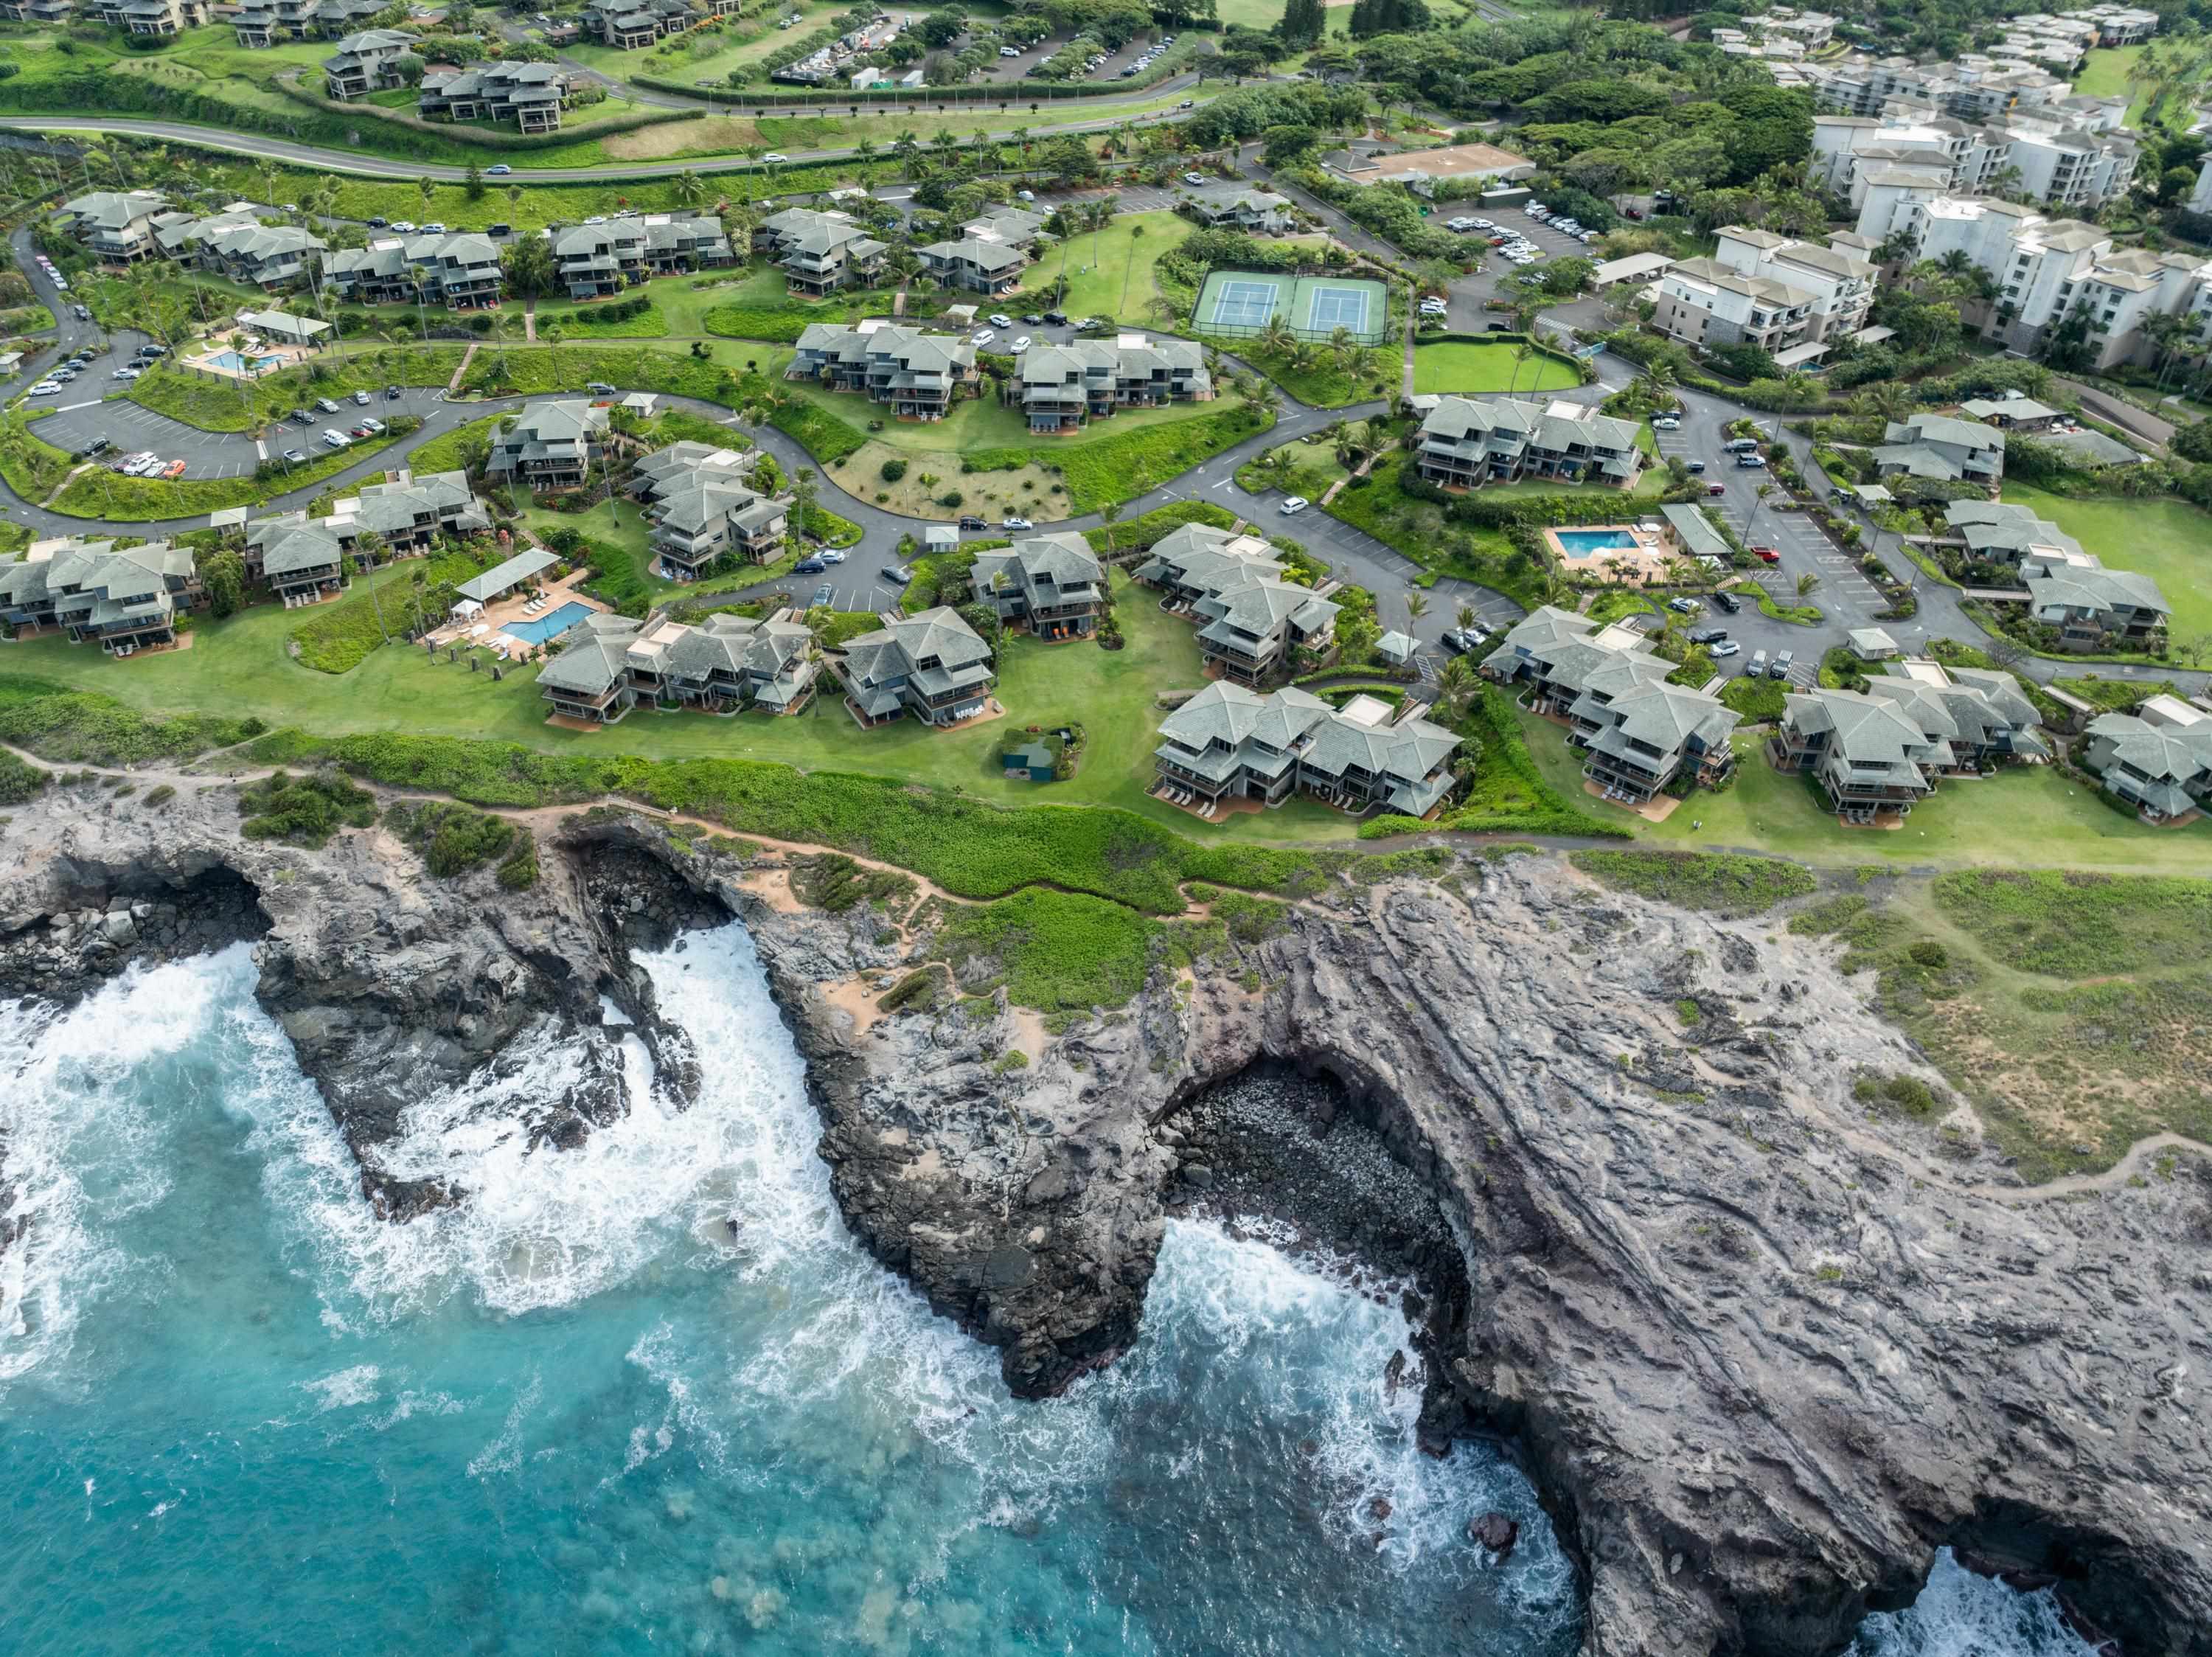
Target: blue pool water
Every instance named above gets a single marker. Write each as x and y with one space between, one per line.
1583 542
551 625
649 1396
238 364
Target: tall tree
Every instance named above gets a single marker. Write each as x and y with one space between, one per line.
1302 24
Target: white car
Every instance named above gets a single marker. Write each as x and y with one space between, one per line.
404 226
773 156
983 337
1025 195
1019 345
1001 320
436 228
1727 647
139 465
125 374
336 439
1015 523
374 428
1193 178
1009 52
831 555
45 388
1296 503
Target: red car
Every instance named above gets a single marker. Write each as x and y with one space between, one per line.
1716 489
1766 554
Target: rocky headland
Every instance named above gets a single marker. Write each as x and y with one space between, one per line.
1761 1352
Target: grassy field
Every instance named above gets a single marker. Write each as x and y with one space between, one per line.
2169 541
2068 1008
2024 814
1468 369
241 666
1110 273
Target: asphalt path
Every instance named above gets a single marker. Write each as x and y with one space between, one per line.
1044 120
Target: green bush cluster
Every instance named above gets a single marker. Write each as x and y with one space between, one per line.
452 838
21 781
1903 1094
1055 951
303 811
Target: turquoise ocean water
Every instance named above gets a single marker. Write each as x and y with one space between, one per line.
583 1413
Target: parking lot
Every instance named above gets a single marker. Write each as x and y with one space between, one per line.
77 421
856 584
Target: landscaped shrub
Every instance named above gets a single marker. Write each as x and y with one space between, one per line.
19 782
452 838
893 470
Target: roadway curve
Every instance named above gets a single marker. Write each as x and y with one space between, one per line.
263 148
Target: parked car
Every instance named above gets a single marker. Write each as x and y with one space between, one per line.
120 374
1035 319
1708 634
809 567
1756 669
97 446
1019 345
1694 465
1727 647
436 228
983 337
1779 667
823 596
1742 445
1724 600
1193 178
1016 523
47 387
175 469
1666 423
1296 503
379 222
970 521
406 227
1058 319
598 388
1716 489
896 573
298 457
391 394
1001 320
84 315
1684 605
498 232
1766 554
831 555
151 351
1025 195
1009 52
359 433
326 405
374 428
301 417
335 438
1752 462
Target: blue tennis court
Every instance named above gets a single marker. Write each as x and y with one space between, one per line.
1244 304
1331 307
1241 304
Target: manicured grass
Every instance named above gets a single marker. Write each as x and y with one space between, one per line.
1109 274
242 666
1313 375
1468 370
2168 539
2105 73
2026 814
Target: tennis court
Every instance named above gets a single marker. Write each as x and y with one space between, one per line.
1241 304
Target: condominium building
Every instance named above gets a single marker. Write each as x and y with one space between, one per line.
1942 446
1051 584
1838 282
990 268
2093 609
1885 751
150 19
124 599
461 273
304 559
1639 734
917 373
1999 531
2065 157
1014 226
931 665
589 683
367 62
724 664
1251 619
550 445
1231 743
116 226
631 24
820 253
1468 442
704 507
1239 206
598 259
2048 271
267 23
235 243
1061 387
2158 758
529 95
48 12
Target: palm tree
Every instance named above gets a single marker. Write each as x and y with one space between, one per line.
553 333
268 176
1457 685
1417 605
1466 616
429 189
514 197
688 187
1136 235
1807 584
1107 515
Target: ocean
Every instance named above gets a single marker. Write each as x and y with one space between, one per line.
650 1396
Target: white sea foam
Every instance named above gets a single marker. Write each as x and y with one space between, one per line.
345 1390
83 1142
1960 1614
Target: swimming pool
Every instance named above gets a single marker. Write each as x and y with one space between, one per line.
1582 543
552 625
238 364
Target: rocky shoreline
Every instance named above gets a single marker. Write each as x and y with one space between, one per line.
1761 1353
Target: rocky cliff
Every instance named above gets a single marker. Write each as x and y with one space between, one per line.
1761 1352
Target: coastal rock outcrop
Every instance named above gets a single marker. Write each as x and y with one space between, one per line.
1761 1352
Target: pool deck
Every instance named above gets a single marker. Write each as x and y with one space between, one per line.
490 628
1642 564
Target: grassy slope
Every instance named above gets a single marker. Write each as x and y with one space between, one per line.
2169 541
1109 274
240 665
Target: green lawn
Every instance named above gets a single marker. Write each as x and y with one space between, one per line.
1110 273
2105 73
1468 369
2025 815
981 423
2168 539
241 667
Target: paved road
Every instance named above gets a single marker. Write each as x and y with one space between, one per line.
1044 122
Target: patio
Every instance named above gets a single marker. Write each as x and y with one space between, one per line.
1634 555
486 626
